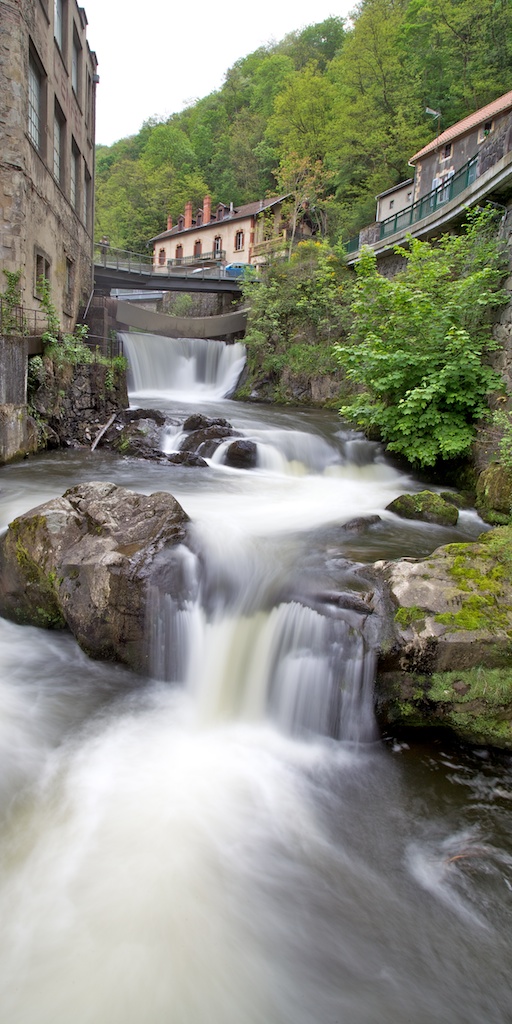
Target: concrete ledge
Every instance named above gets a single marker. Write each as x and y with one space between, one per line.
179 326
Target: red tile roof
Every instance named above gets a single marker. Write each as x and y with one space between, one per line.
462 127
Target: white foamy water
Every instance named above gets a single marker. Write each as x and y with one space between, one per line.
229 841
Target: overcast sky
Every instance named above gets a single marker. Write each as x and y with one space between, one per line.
157 58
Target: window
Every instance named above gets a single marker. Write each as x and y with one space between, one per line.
161 257
76 65
36 103
409 197
199 218
447 151
391 203
197 248
41 270
485 130
74 177
239 241
59 133
69 283
220 212
179 252
87 198
181 222
217 245
59 24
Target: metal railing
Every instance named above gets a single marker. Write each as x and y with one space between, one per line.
218 256
122 259
29 323
424 207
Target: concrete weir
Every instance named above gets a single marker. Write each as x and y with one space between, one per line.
221 326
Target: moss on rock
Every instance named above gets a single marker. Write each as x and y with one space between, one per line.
426 506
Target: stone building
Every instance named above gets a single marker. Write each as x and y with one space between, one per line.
48 77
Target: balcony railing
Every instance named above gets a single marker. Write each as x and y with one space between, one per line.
422 208
29 323
425 206
218 256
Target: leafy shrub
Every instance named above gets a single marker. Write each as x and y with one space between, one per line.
418 343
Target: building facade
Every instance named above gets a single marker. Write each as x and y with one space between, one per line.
224 234
48 77
441 158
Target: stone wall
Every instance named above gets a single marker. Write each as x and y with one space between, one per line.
16 431
76 401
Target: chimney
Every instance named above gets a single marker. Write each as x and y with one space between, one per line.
169 223
207 209
188 215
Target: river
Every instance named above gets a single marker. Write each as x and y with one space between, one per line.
231 841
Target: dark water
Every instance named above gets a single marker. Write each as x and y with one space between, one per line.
231 840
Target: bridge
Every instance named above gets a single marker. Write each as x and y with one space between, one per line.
118 268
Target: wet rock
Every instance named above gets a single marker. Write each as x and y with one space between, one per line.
448 662
494 492
186 459
242 454
205 442
426 506
199 422
361 524
83 561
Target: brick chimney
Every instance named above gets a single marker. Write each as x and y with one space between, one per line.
188 215
169 223
207 209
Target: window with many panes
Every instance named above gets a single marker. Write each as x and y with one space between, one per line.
36 87
74 177
59 136
76 65
239 241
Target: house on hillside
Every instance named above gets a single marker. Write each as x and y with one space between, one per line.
480 137
472 159
225 234
47 124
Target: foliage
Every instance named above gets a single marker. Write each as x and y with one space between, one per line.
418 343
12 321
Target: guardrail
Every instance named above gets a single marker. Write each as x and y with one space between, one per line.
422 208
122 259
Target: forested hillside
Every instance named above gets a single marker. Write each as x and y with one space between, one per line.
333 111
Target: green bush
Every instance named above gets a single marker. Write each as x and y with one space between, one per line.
418 343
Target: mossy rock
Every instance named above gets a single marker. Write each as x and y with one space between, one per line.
494 492
475 705
426 506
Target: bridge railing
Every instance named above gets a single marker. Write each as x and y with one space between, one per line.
122 259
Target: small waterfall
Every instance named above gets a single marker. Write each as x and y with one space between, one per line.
242 655
191 368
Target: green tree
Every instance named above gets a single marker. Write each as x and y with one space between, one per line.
418 344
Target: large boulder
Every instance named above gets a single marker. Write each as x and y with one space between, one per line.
448 663
426 506
83 561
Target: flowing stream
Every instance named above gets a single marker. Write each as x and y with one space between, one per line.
230 841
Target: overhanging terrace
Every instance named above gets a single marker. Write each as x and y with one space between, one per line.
439 208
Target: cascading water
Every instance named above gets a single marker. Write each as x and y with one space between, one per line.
226 841
199 368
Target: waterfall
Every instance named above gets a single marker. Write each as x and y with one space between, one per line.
198 368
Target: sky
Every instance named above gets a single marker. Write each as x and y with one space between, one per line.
156 60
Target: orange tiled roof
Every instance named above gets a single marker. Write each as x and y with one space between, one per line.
467 123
